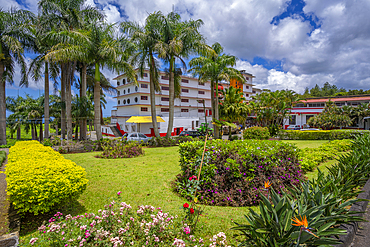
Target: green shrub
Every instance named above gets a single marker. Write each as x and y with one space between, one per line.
259 133
2 157
234 172
320 134
168 142
39 178
121 149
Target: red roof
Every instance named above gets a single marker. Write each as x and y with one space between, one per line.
365 98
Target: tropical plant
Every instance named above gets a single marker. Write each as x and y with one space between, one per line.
232 107
215 67
179 39
14 35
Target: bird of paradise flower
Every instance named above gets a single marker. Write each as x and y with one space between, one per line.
267 185
303 223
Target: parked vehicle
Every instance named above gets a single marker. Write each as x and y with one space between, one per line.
294 127
192 133
135 136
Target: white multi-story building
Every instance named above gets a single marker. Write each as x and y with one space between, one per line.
134 101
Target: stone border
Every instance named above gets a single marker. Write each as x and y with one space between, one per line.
353 226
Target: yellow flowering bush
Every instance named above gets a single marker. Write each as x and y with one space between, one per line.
39 177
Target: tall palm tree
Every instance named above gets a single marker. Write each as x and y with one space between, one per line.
145 38
16 118
215 67
179 39
67 16
13 37
101 47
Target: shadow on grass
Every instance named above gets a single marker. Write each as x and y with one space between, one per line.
30 222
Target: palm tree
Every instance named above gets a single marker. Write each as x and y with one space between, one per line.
232 107
215 67
15 119
178 41
100 47
67 16
13 37
145 38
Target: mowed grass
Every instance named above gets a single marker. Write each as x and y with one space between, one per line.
147 180
306 143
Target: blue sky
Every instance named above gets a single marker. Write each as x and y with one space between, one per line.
285 44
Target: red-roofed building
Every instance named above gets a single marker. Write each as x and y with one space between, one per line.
313 106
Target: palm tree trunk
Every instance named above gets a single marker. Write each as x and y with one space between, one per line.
2 105
217 129
41 133
76 131
56 129
33 132
69 101
171 99
18 133
63 99
97 103
101 115
46 101
213 105
152 96
83 122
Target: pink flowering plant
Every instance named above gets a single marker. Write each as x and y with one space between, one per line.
118 224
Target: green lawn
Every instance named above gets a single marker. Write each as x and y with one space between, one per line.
306 143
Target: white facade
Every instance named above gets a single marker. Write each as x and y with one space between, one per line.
134 100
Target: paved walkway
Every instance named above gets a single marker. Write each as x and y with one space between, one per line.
362 237
4 204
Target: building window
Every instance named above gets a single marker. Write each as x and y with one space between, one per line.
200 92
164 77
123 81
144 85
185 100
144 108
293 120
165 88
253 91
247 78
247 95
118 92
165 99
136 88
247 87
124 91
128 101
128 80
299 105
136 99
119 102
184 80
124 102
128 90
185 90
165 109
117 83
201 83
144 97
184 110
145 74
200 110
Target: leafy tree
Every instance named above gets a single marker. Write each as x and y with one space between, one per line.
232 107
14 36
215 67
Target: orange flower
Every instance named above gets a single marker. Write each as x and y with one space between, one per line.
300 222
267 184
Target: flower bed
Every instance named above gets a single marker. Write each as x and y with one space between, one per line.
114 149
39 178
320 134
119 225
233 173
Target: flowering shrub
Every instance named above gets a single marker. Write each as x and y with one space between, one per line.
121 149
167 142
39 177
259 133
118 224
312 157
234 173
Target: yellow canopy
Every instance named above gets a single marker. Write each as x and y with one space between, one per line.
143 119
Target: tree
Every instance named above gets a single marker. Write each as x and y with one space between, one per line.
145 39
15 120
13 37
179 39
215 67
232 107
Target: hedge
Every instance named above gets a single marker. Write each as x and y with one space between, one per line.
39 178
320 134
234 172
256 132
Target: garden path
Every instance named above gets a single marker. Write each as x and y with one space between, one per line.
362 237
4 204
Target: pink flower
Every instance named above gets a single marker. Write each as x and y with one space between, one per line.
119 193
